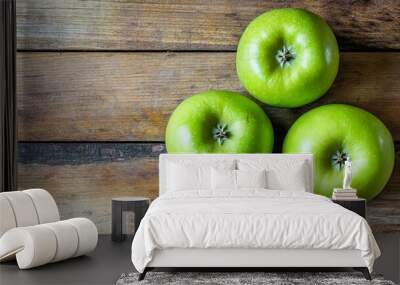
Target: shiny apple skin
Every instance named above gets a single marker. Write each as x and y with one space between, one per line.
307 77
337 127
190 127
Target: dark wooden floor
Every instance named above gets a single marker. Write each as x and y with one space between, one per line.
110 260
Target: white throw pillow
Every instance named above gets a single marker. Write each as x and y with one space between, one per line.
187 175
226 179
223 179
281 174
292 180
251 178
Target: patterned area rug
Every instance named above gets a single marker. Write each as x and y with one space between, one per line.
269 278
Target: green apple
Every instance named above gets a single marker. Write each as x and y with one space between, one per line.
287 57
219 122
336 132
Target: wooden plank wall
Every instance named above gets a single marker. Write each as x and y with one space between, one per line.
97 81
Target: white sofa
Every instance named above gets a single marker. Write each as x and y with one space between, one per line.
31 230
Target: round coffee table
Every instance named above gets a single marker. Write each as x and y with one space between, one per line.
127 212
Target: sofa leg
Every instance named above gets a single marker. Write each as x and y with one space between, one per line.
142 275
364 271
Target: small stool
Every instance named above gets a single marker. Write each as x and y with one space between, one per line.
127 212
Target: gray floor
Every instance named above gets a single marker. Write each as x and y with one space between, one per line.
389 262
110 260
103 266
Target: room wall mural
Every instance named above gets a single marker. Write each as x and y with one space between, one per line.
94 96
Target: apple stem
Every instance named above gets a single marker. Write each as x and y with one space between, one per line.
339 159
284 56
221 133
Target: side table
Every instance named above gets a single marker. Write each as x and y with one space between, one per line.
127 212
358 205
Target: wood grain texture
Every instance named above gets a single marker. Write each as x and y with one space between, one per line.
384 211
189 25
83 177
76 96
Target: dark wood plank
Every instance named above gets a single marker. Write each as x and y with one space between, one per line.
84 177
84 187
189 25
384 211
129 96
